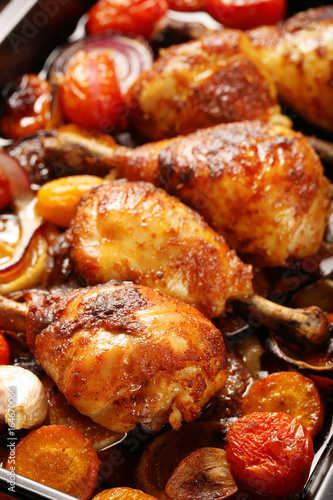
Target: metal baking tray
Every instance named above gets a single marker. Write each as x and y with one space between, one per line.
29 31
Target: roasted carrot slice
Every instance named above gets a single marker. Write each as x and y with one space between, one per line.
123 494
288 392
270 452
59 457
204 474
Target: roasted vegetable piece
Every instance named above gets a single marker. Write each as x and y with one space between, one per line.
27 107
123 494
163 455
287 392
89 92
186 5
57 199
60 457
5 192
131 17
270 452
4 351
204 475
245 14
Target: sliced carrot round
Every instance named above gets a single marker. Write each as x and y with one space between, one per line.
123 493
288 392
59 457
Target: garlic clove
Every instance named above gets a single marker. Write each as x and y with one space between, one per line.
23 402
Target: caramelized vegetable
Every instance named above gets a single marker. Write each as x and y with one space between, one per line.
245 14
131 17
89 93
59 457
123 494
5 192
288 392
163 455
27 107
204 475
4 351
270 452
57 199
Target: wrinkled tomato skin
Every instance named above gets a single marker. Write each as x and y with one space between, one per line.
130 17
4 351
5 193
27 106
89 94
270 452
246 14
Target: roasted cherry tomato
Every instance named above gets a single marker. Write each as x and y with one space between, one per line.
131 17
90 94
4 351
245 14
27 106
270 452
186 5
5 193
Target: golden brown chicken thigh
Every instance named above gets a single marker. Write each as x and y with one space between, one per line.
136 232
298 53
259 185
127 355
216 79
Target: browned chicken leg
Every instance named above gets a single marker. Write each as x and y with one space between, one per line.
298 53
124 355
227 76
259 185
134 231
216 79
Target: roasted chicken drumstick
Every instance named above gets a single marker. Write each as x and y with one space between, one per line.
122 354
259 185
216 79
134 231
298 54
230 75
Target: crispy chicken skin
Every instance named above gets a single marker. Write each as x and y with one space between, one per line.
127 355
135 232
298 53
216 79
259 185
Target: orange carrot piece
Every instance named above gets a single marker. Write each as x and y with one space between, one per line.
59 457
288 392
123 493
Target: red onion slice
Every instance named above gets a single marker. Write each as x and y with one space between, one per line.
24 205
131 57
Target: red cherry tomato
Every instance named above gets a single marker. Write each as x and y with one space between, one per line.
5 193
131 17
90 94
246 14
186 5
270 452
27 106
4 351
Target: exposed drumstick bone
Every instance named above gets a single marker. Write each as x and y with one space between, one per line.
307 327
12 315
